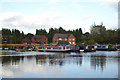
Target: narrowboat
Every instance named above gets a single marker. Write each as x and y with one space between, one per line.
118 47
53 49
106 48
20 49
89 48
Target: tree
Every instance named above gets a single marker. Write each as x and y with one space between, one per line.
78 34
51 34
6 31
61 30
0 37
41 32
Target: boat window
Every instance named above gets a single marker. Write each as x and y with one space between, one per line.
59 47
55 48
48 48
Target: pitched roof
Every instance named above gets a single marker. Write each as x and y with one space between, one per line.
62 35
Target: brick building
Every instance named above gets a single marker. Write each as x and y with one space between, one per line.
42 39
64 37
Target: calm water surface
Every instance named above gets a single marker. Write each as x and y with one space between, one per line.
100 64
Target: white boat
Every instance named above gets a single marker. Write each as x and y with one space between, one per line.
53 49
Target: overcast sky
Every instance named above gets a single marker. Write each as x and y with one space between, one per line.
29 15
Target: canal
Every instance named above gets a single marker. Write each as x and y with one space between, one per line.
99 64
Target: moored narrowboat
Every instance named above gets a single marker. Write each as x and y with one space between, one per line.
53 49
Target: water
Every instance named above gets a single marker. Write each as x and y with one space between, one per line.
100 64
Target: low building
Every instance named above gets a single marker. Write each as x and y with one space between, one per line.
42 39
64 37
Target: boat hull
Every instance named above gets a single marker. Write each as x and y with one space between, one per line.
46 50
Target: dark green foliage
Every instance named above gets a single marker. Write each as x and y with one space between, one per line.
29 36
51 34
98 34
88 39
102 36
6 31
63 42
78 35
41 32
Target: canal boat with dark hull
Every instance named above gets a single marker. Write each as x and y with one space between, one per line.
106 48
82 49
89 48
20 49
118 47
53 49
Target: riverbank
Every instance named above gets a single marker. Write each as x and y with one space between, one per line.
59 48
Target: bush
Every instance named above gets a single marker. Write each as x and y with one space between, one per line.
63 42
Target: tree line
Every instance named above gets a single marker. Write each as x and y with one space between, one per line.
98 34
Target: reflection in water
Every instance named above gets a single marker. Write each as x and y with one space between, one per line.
12 60
98 62
59 65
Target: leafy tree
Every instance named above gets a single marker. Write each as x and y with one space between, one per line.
41 32
51 34
78 34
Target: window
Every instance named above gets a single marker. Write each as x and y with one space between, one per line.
60 39
70 42
65 39
73 42
69 39
73 39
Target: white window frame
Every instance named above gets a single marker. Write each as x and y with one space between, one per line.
73 42
60 39
65 39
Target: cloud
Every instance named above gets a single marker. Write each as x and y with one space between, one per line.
25 22
57 1
78 6
28 23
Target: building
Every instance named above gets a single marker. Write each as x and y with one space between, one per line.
42 39
64 37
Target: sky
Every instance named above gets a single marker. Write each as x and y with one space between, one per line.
29 15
